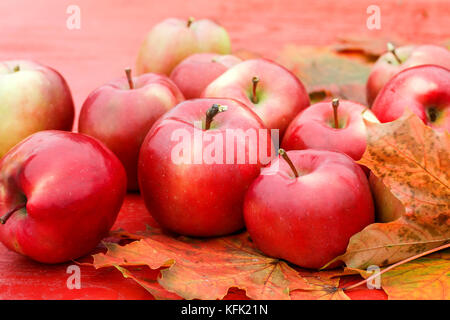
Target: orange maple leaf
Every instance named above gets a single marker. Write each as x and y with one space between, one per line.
208 268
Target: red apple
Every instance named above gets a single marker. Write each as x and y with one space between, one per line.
304 209
335 126
274 93
172 40
190 186
33 97
195 72
122 112
60 193
397 60
425 90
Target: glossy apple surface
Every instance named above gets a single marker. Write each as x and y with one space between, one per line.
120 117
314 128
279 94
423 90
33 97
172 40
195 72
72 187
308 220
387 65
202 197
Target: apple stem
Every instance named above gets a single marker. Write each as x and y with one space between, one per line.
189 22
7 215
335 104
212 112
16 68
391 49
286 158
129 78
255 81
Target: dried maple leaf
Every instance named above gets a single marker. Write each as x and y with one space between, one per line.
152 286
413 161
207 269
369 46
327 73
421 279
426 278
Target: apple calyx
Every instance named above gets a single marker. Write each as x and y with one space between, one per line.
255 81
335 104
8 214
391 49
212 112
286 158
129 78
16 68
432 114
190 21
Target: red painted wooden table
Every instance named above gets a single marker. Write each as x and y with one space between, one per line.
107 42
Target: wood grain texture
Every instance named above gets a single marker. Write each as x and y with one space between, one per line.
108 41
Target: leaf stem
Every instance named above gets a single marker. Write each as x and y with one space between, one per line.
445 246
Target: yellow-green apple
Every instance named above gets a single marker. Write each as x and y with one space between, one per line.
304 208
33 97
60 193
424 90
274 93
336 125
172 40
122 112
397 60
196 163
387 206
195 72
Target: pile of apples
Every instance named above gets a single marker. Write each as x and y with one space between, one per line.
61 191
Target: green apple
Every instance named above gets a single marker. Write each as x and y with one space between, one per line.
33 97
172 40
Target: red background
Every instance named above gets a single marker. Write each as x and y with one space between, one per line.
108 41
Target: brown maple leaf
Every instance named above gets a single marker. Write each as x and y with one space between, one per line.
413 161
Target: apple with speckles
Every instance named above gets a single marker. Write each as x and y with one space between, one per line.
336 125
197 71
274 93
399 59
121 113
172 40
305 206
33 97
60 193
424 90
197 162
